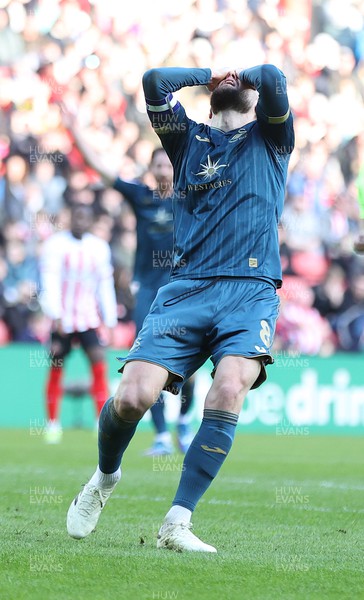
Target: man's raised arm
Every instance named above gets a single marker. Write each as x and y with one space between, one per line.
92 158
273 112
271 85
165 112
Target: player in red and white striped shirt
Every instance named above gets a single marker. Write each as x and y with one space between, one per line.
78 295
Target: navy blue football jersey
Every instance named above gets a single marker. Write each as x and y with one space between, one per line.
229 187
154 216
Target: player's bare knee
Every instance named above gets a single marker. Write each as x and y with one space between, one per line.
132 400
223 395
129 407
228 392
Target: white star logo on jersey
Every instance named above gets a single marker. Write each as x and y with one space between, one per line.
162 221
162 216
210 168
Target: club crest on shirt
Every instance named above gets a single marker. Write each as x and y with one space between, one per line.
202 139
241 135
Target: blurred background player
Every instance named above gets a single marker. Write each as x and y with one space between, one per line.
153 262
78 295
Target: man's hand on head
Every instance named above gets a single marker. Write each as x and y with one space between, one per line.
218 75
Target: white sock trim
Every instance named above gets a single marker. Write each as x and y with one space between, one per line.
178 514
105 480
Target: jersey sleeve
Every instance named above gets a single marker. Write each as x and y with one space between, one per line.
273 111
132 192
166 114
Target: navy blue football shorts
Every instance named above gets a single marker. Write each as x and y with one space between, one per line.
192 320
143 302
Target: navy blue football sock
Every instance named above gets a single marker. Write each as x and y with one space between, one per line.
114 437
157 412
187 396
205 456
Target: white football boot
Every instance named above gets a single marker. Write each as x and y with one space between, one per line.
85 510
179 537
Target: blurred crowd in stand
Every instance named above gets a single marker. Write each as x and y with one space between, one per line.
92 55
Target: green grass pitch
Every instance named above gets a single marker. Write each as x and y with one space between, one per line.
286 514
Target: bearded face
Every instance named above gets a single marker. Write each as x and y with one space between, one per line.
229 97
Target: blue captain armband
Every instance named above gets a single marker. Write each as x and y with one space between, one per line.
278 120
166 105
161 113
